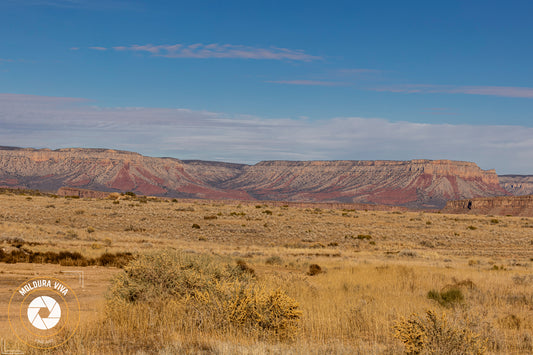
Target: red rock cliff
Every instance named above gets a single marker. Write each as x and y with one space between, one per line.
415 183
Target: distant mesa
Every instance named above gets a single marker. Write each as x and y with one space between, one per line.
415 184
518 185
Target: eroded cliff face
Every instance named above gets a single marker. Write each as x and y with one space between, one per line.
110 170
518 185
416 183
505 205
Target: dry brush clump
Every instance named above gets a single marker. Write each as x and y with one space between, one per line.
184 293
435 334
64 258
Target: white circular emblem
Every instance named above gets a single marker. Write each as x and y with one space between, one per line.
54 312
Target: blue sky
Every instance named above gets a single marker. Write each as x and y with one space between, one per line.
246 81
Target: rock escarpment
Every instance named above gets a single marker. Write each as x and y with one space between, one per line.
505 205
415 183
112 171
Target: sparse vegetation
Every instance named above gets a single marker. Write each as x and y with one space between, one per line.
365 287
433 334
65 258
314 269
447 298
202 293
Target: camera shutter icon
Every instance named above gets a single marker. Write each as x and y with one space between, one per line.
53 317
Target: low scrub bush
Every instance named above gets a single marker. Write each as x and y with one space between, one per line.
65 258
434 334
202 292
314 269
274 260
447 298
364 236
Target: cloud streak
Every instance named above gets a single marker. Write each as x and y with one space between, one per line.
307 82
55 122
502 91
216 50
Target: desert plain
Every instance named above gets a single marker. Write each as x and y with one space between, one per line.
356 281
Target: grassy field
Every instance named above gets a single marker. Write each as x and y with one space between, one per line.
340 281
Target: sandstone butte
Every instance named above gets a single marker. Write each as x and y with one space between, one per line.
414 183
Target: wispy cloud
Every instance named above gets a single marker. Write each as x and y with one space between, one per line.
340 77
358 71
307 82
503 91
54 122
98 48
216 50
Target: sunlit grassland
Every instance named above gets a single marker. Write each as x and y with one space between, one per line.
377 269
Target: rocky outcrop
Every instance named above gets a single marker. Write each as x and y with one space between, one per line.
503 206
415 183
518 185
83 193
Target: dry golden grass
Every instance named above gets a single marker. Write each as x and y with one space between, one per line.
377 269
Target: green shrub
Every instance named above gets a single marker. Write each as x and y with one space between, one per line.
448 297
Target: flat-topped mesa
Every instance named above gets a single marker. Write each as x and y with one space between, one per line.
435 168
415 183
70 153
460 169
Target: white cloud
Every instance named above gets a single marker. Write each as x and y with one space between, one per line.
54 122
215 50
